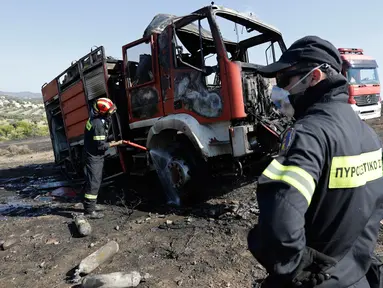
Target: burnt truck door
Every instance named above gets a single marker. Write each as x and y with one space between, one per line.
195 72
141 73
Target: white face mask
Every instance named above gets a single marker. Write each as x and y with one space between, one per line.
280 96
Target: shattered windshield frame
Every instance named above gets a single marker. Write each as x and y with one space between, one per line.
233 50
197 44
239 49
194 33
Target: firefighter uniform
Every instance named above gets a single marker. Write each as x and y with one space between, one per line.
95 145
321 199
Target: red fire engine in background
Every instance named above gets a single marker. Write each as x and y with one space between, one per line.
362 74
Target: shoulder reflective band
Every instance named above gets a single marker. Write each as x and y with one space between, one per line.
90 196
294 176
355 171
102 137
88 125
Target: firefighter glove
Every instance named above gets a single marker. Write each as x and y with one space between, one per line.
312 269
116 143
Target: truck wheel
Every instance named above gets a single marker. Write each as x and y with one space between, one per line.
187 173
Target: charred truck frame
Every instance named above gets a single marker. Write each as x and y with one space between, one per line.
215 119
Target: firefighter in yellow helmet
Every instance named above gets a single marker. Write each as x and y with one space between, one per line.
95 146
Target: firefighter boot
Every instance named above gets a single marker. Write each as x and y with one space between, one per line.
94 215
98 207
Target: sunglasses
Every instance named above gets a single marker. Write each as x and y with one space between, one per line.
283 79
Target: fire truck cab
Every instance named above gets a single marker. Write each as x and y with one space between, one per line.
362 74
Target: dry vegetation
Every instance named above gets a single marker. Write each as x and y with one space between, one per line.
13 150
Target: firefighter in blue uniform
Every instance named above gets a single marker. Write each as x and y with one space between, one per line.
321 199
95 145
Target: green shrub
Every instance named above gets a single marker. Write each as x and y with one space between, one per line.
41 130
22 129
6 130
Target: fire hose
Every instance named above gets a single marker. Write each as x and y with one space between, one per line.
127 142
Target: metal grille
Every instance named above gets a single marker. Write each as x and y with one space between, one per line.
95 83
364 100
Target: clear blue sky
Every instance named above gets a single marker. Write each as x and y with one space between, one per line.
40 38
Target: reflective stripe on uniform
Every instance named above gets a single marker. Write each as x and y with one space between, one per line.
102 137
293 175
355 171
88 125
90 196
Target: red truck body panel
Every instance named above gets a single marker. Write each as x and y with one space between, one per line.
50 90
75 110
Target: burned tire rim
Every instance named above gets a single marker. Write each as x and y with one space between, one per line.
179 172
183 170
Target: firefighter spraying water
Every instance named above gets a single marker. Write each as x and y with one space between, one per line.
95 145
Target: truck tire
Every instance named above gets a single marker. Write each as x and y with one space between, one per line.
185 159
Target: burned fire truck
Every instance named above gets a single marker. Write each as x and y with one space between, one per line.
184 88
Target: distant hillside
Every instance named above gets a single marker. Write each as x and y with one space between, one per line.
15 108
22 95
22 118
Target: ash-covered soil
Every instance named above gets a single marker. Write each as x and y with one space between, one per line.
200 246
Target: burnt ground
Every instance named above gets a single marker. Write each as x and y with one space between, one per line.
200 246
